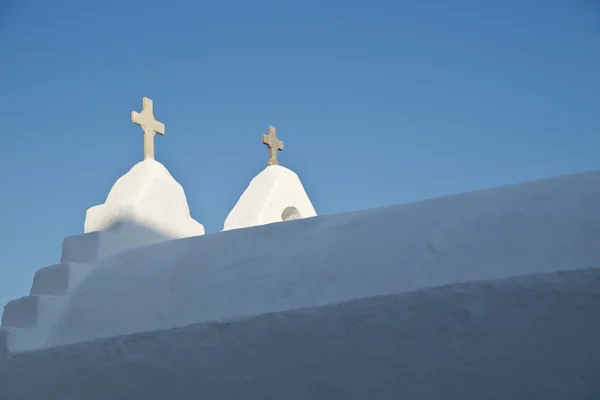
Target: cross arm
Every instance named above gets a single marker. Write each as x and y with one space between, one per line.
136 117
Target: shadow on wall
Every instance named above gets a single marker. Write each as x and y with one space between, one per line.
91 247
139 234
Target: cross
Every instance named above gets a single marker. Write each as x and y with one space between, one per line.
150 126
273 144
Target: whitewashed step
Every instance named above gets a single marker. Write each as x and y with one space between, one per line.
28 321
91 247
59 279
30 311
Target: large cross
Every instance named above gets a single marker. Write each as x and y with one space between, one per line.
273 144
149 125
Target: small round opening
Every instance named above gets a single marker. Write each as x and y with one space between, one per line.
290 213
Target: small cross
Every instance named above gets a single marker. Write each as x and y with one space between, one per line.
149 125
273 144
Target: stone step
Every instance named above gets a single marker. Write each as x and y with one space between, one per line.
90 248
59 279
32 311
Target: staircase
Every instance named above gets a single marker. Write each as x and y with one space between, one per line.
27 321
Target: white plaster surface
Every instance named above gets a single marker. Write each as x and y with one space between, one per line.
537 227
531 337
149 199
267 197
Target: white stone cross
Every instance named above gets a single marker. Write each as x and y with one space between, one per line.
273 144
149 125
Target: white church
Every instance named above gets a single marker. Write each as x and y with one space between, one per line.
493 294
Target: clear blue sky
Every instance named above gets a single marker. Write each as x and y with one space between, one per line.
378 102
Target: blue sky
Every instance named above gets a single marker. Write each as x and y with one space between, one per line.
378 102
